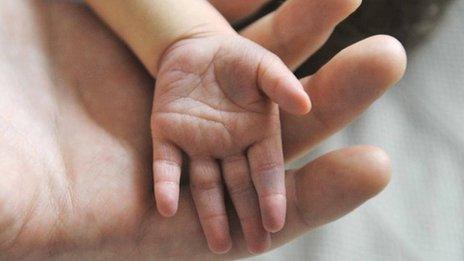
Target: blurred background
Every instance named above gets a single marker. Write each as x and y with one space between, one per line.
420 123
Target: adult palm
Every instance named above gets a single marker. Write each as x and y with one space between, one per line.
75 150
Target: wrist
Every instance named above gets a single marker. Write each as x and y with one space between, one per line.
149 27
196 33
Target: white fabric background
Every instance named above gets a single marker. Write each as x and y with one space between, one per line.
420 123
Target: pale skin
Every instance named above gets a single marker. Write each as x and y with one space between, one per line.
74 163
212 102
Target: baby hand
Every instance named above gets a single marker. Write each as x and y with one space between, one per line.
214 101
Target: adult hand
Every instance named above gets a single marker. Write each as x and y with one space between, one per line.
75 144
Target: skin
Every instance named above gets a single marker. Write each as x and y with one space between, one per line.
210 103
76 154
213 103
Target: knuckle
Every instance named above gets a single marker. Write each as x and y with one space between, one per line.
205 184
166 182
273 196
168 162
233 160
240 188
213 216
268 166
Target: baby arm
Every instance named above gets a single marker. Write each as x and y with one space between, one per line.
149 27
209 103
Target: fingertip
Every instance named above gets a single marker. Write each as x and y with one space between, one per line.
381 57
304 104
273 213
217 234
298 105
390 59
166 200
259 247
377 169
220 244
282 86
167 211
294 98
338 182
221 248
